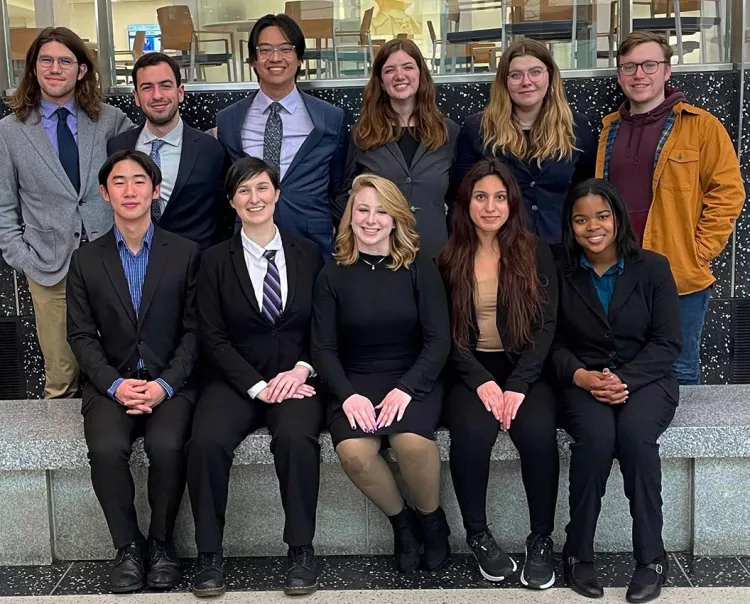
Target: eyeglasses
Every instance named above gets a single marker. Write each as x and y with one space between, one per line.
64 63
266 50
535 75
648 67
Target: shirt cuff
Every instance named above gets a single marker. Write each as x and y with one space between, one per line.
257 389
113 388
167 387
307 366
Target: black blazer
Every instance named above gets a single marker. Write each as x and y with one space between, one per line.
198 199
639 339
241 345
529 361
104 332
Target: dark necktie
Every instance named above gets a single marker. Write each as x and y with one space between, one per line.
67 148
271 289
272 138
156 145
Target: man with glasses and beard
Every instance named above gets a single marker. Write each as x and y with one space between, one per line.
191 200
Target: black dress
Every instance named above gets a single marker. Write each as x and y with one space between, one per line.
375 329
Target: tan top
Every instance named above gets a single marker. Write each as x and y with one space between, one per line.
485 300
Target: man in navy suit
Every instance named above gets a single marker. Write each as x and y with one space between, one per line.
301 136
191 161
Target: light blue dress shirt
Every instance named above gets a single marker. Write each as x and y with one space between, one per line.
49 120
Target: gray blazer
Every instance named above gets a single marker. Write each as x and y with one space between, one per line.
424 183
40 211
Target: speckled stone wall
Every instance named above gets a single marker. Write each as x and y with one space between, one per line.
715 91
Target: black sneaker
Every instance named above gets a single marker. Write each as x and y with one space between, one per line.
539 568
301 574
494 564
208 580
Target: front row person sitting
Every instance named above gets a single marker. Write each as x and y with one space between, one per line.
618 336
255 302
132 327
380 340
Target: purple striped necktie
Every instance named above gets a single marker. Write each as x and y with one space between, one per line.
272 306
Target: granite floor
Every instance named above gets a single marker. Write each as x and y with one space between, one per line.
338 573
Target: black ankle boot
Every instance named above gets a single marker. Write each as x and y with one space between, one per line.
128 571
435 533
405 544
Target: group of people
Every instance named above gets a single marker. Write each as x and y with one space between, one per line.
273 273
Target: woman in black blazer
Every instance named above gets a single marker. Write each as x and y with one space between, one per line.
530 126
401 135
618 334
255 304
502 287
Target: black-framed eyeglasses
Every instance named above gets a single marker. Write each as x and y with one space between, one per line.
648 67
64 63
266 50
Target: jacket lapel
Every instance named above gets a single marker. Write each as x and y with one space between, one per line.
292 264
188 157
395 150
40 142
113 267
240 268
232 136
584 287
86 134
624 286
421 150
157 260
312 140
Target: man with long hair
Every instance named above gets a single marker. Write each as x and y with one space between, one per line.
52 146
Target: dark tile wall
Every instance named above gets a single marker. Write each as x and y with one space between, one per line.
595 97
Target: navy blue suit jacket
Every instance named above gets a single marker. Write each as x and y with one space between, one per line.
314 177
197 200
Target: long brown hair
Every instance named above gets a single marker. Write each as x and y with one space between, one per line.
552 135
377 119
28 94
520 287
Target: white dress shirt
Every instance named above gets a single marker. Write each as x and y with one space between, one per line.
295 121
170 154
257 266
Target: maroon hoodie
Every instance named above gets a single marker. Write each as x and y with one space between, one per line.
631 164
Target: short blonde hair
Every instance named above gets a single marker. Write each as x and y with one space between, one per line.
404 237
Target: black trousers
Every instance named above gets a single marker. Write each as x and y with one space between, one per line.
629 433
473 433
110 433
223 418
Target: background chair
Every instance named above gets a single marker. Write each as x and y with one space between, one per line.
124 67
315 18
363 45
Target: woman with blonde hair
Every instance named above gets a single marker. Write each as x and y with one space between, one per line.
401 135
530 126
380 338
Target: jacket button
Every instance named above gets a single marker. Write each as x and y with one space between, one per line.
274 333
612 354
408 180
535 207
608 334
76 234
140 342
532 183
80 203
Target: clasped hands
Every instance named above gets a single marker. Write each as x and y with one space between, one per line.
502 404
139 396
287 384
360 411
604 386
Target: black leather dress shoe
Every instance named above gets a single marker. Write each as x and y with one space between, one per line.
581 577
128 573
209 576
647 581
163 566
301 574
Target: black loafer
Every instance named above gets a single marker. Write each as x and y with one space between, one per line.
163 566
647 581
127 573
209 576
301 574
582 578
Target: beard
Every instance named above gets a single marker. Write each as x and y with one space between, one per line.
160 121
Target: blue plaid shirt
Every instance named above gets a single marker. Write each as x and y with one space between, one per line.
135 266
604 285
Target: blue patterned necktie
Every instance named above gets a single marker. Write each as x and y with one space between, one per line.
272 138
271 289
67 148
156 145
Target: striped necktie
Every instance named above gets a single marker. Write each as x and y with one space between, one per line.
272 306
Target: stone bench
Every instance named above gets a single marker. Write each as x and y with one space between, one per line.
50 511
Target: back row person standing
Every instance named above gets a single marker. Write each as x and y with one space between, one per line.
52 146
530 126
679 177
302 137
402 136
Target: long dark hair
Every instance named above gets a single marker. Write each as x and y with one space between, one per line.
88 92
624 237
521 289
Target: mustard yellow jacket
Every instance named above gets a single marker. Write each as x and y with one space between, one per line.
697 192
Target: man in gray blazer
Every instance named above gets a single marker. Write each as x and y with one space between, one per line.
51 149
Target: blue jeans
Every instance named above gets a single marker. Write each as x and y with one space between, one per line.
693 308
